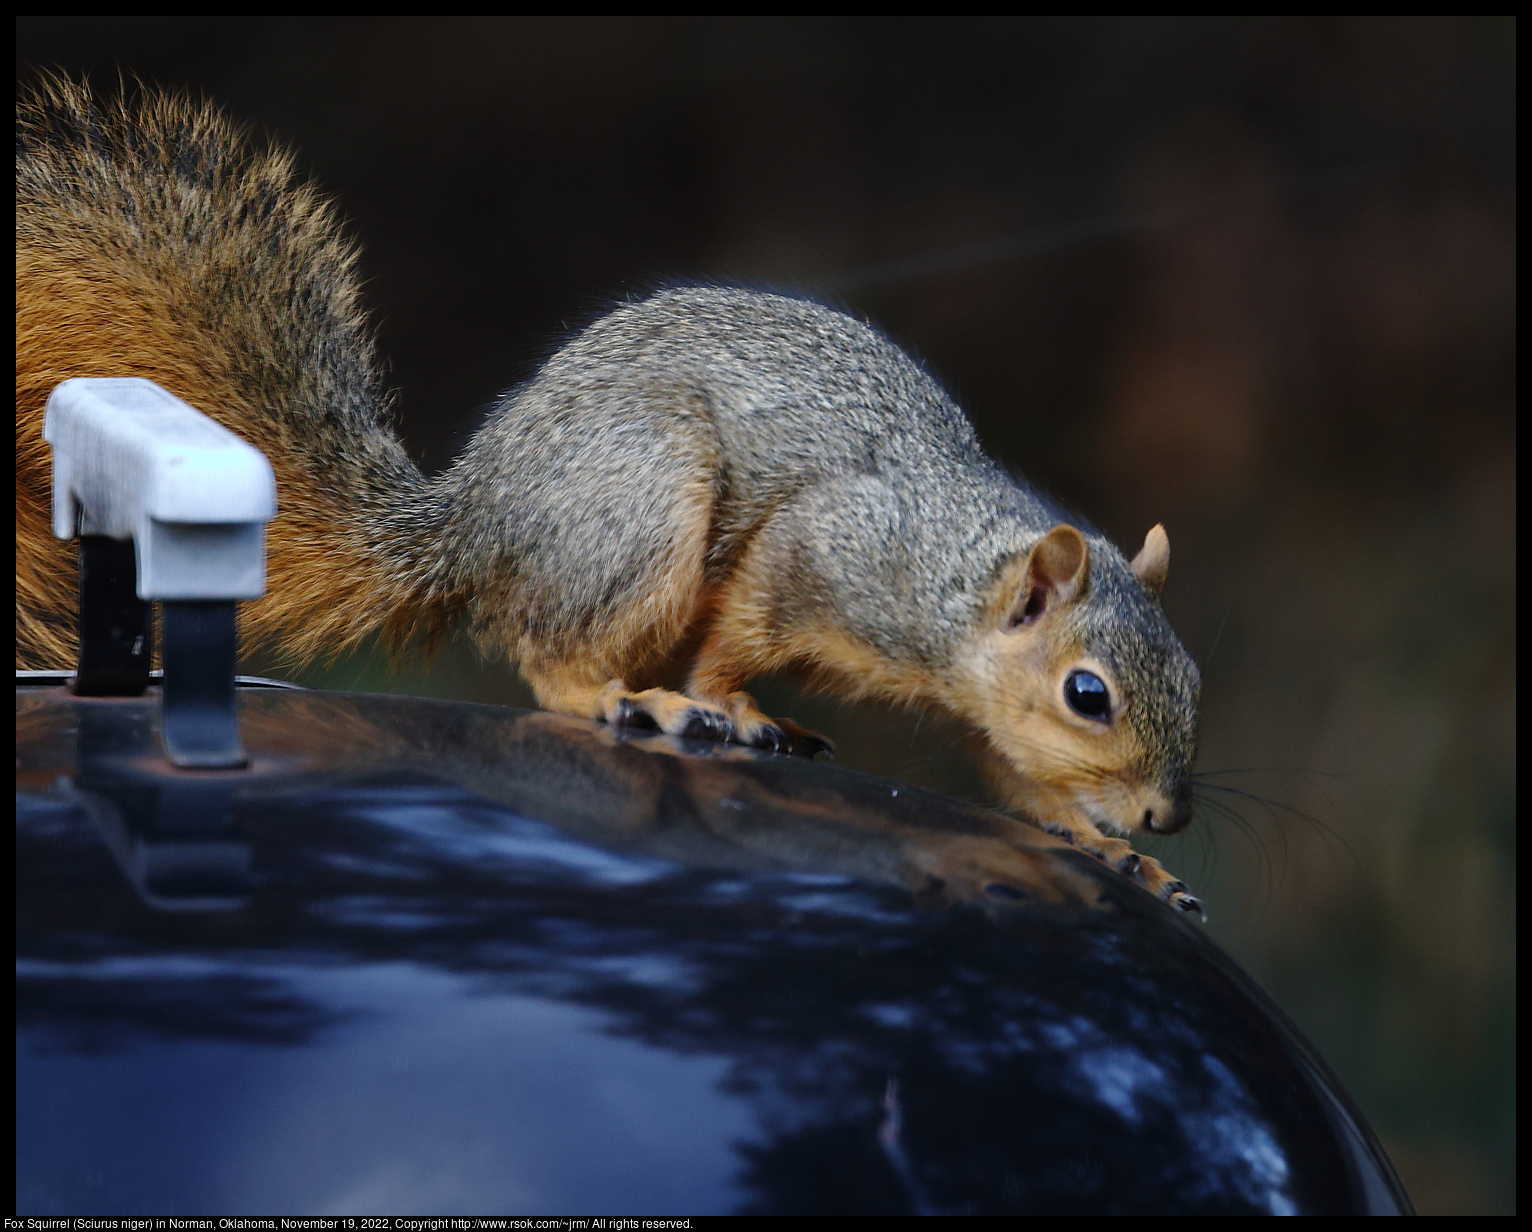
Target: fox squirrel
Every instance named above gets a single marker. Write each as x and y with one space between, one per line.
707 485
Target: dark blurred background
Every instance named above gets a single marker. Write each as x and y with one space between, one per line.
1251 278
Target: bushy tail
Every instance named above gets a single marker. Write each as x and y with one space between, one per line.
155 239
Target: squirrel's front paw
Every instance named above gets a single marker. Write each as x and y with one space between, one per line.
1146 870
776 735
1151 874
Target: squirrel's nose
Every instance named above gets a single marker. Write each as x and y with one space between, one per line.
1177 815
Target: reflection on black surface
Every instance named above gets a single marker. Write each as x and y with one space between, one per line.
1074 1047
101 1013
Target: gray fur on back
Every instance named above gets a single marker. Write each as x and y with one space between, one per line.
803 424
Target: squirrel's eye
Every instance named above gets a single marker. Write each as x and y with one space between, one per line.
1086 694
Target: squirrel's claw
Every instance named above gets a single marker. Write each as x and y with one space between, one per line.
806 743
625 713
785 736
1176 895
699 723
1187 903
754 729
771 738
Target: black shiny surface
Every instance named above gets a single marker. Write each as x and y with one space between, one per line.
116 627
432 957
199 724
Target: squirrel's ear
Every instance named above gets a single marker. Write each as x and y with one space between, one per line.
1054 573
1153 560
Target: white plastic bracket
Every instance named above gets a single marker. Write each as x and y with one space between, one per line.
131 461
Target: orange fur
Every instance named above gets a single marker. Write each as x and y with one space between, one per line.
98 294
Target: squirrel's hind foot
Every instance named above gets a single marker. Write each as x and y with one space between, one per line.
675 714
735 720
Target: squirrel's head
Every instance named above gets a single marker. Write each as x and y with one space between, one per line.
1086 691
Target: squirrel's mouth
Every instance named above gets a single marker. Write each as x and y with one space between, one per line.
1106 822
1135 816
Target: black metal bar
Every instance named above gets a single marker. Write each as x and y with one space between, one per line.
116 626
201 724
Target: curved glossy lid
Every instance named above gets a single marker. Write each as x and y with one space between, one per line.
434 957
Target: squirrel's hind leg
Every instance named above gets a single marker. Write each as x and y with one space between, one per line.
722 666
713 707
